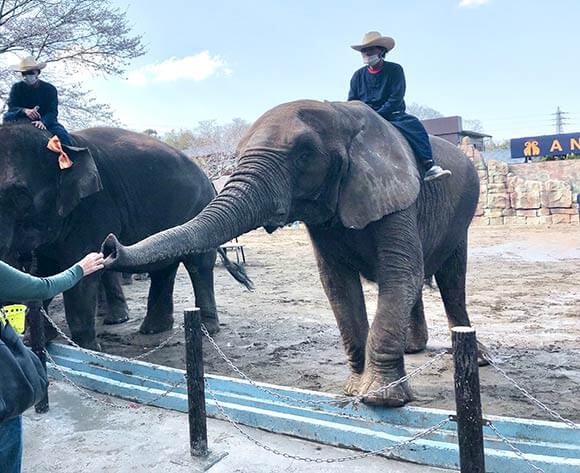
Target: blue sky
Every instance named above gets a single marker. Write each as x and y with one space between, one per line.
508 63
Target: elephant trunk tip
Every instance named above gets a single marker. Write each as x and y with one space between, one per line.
111 249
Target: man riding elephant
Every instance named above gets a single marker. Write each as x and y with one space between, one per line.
381 85
34 100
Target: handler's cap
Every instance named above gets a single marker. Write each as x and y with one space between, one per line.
374 38
28 64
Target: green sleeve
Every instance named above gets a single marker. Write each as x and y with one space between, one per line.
18 286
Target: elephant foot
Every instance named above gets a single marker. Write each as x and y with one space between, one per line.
373 384
352 384
153 325
114 319
415 343
211 322
87 342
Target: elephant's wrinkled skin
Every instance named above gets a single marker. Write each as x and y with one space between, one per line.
132 185
352 179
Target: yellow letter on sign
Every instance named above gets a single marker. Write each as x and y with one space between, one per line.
556 146
574 143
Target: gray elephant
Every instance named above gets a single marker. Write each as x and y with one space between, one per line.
352 179
119 181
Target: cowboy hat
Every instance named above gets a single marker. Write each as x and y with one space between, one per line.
28 64
374 38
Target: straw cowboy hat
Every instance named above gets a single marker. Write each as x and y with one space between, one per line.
28 64
374 38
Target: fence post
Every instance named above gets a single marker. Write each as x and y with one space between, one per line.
468 401
37 345
195 383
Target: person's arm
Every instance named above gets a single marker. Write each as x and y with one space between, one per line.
50 115
353 92
14 111
16 285
396 99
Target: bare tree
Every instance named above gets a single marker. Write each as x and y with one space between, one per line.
423 112
212 146
73 36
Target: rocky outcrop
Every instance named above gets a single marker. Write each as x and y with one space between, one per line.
514 200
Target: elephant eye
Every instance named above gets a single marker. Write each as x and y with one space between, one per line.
302 159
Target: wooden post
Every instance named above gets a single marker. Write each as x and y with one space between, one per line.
468 401
195 383
37 344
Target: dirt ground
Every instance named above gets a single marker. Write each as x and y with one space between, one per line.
523 299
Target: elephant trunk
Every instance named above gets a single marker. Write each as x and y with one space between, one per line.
254 196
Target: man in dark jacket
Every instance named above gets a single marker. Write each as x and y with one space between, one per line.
15 378
34 100
381 85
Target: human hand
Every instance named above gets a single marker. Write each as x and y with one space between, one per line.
91 263
32 113
38 124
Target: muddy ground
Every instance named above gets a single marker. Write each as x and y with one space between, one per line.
523 299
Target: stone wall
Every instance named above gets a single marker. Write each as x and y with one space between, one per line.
525 194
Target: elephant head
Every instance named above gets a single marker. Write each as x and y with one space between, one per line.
36 196
323 163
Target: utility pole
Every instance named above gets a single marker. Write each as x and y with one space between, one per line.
560 120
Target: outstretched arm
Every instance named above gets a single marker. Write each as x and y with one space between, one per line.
16 285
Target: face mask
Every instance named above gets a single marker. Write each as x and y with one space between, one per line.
372 60
30 79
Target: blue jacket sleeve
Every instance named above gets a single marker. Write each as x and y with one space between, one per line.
14 111
396 99
18 286
353 92
50 115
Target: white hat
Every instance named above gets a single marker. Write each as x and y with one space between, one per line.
28 64
374 38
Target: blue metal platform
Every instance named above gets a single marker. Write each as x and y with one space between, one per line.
552 446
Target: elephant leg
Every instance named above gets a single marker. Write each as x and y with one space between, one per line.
343 289
451 282
80 304
159 316
399 280
417 333
200 269
118 309
45 267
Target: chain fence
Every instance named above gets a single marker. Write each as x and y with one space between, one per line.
340 401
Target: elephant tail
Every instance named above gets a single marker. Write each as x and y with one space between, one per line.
236 270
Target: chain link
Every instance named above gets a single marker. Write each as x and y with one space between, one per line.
383 451
515 449
97 355
339 400
537 402
106 402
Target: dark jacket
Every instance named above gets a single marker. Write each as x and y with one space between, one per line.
23 95
384 92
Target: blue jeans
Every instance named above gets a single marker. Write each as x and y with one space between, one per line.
60 131
414 131
11 445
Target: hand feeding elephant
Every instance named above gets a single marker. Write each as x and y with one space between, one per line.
352 179
128 183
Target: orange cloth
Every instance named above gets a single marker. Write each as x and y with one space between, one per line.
54 144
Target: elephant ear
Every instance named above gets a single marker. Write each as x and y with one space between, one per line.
77 182
382 175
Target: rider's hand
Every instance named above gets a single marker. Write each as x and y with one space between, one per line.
38 124
32 113
91 263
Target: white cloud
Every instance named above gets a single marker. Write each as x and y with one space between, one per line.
196 67
472 3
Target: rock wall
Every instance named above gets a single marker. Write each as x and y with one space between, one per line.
540 194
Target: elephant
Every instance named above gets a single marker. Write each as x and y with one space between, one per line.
119 181
351 177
